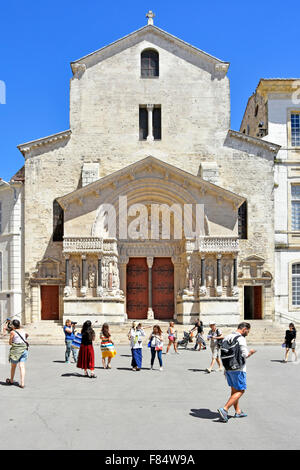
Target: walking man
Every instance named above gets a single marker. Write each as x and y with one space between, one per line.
234 353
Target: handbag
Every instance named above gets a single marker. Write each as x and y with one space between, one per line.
27 344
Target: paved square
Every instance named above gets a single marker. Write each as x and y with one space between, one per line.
172 409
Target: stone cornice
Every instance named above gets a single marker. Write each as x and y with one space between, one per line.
277 85
28 146
274 148
219 64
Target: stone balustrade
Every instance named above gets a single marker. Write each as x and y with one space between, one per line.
89 245
218 244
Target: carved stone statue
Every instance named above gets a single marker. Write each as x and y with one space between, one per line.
226 275
75 276
210 275
92 276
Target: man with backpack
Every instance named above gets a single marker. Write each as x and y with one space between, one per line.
234 353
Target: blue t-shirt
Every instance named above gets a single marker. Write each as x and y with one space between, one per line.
69 336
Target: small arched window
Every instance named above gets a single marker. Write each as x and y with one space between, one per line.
149 63
58 222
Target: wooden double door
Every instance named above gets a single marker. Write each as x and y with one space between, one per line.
161 284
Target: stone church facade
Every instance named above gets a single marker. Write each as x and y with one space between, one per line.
149 124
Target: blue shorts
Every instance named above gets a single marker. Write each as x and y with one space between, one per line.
23 358
236 379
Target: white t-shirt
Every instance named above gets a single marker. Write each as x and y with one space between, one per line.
136 337
16 338
156 342
243 345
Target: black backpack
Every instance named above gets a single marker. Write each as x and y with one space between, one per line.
231 354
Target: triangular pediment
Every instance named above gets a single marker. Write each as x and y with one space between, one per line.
157 37
151 168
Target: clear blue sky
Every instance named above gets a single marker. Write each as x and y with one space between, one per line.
38 40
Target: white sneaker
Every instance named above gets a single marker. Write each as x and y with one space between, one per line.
161 368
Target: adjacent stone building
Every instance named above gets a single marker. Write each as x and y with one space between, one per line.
149 125
11 247
277 105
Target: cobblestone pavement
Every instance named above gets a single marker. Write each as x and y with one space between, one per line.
172 409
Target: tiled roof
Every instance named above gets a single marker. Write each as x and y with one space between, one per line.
19 176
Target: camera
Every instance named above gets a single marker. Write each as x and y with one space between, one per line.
74 323
8 325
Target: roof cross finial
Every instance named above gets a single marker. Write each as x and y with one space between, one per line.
150 15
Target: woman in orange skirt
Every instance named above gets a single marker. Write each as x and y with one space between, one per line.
86 356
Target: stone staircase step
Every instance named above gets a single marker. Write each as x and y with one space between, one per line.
50 332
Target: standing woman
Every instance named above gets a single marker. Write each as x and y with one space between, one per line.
86 356
156 344
18 353
215 336
107 346
172 337
290 341
136 343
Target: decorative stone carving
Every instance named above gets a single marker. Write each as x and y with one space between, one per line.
150 262
75 276
92 276
67 291
78 70
219 291
115 276
210 275
83 291
235 291
150 314
218 244
227 268
48 268
202 291
100 291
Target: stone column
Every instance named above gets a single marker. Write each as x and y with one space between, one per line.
150 108
150 313
123 261
83 289
177 267
202 290
110 273
219 276
99 278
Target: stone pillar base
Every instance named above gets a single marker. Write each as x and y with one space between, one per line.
150 314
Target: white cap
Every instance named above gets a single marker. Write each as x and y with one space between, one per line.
212 323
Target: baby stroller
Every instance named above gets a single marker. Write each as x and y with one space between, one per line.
187 338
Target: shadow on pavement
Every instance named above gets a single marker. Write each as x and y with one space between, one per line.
277 360
9 385
204 413
74 374
60 362
197 370
129 368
